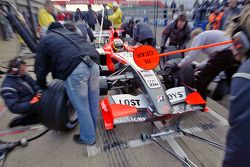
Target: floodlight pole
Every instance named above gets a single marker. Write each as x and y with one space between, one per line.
101 26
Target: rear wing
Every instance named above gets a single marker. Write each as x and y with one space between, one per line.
106 33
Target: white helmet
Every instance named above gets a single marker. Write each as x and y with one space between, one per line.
115 4
118 44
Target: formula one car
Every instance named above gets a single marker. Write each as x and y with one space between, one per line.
146 96
150 100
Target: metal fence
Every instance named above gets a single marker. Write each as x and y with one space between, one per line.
151 15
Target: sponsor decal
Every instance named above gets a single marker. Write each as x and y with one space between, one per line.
176 95
129 119
150 79
160 99
181 108
146 74
139 101
130 102
104 106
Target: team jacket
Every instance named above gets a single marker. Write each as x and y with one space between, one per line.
116 18
177 37
58 55
17 92
239 119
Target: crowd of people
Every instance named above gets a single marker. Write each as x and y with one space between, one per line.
234 17
89 17
49 14
218 14
65 51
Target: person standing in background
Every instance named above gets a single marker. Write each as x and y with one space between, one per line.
78 16
215 19
116 17
205 5
173 8
45 17
91 18
178 32
196 14
230 13
143 34
127 28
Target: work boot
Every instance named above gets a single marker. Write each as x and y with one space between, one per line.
24 120
78 140
15 122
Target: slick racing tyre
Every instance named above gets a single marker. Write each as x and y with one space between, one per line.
55 110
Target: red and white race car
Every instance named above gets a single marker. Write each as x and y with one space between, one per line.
145 96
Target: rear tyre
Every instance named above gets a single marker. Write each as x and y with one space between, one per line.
144 137
55 110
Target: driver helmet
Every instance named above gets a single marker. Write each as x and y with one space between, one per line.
118 45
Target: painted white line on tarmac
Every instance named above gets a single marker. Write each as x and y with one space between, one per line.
137 143
93 150
176 147
173 144
219 117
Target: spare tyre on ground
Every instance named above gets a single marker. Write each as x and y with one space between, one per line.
55 110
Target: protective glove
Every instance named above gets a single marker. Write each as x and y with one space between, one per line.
171 68
36 98
198 68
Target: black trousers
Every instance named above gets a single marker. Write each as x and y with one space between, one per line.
222 61
92 27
